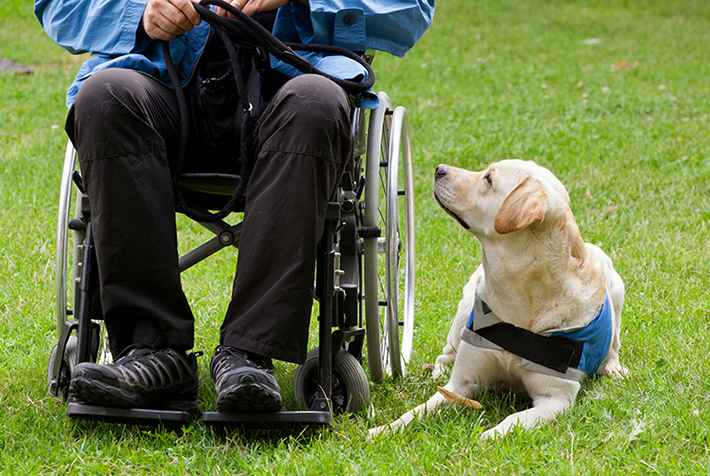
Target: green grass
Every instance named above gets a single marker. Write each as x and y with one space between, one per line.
490 80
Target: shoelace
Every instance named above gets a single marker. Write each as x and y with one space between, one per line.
227 362
146 367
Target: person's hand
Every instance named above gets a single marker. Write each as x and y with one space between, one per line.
250 7
166 19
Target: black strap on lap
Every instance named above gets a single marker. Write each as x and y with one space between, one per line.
284 51
554 352
258 35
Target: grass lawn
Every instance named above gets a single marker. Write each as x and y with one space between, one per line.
612 96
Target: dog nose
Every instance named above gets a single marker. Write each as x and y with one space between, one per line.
441 170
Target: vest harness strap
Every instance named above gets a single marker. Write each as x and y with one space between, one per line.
571 354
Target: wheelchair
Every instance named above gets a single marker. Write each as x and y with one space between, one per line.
365 280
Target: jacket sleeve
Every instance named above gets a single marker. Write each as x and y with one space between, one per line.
393 26
108 27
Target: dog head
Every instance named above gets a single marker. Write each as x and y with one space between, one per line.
507 197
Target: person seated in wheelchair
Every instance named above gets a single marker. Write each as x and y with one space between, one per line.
124 121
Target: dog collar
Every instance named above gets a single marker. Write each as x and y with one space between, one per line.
567 353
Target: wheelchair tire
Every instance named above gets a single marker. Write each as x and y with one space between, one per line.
63 287
389 260
351 389
59 385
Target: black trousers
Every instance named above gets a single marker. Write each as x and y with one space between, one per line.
125 127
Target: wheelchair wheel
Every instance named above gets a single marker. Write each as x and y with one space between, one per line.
64 286
351 389
58 384
58 376
389 259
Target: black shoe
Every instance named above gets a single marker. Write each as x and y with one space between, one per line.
244 384
141 378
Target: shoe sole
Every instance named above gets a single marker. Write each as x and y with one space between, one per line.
91 392
250 394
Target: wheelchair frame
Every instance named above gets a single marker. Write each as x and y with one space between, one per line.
359 278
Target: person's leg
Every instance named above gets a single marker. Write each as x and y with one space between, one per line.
302 142
123 125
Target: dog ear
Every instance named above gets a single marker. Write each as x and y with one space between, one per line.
524 205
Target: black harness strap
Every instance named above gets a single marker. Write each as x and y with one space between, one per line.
554 352
180 204
259 35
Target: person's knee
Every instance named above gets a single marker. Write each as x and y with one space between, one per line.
120 112
311 115
319 98
103 93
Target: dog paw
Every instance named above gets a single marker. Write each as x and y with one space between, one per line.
492 434
443 363
615 369
439 370
375 432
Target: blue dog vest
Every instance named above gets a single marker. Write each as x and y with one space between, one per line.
567 353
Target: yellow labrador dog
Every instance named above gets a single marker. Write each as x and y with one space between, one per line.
543 309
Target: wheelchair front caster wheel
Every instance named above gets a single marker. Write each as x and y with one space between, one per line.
58 384
351 388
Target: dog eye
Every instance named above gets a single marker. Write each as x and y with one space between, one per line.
488 179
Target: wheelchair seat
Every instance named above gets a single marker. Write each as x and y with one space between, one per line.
210 183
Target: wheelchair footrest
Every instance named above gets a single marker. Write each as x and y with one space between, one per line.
143 416
268 419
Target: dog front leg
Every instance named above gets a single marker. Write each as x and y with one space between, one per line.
544 410
448 354
432 405
453 340
444 361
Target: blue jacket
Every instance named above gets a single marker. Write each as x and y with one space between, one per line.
108 29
